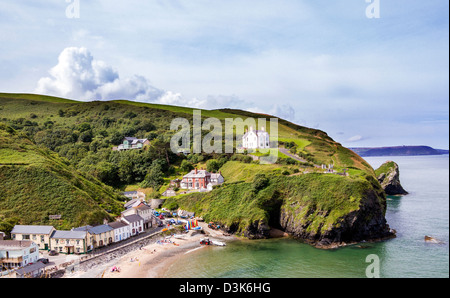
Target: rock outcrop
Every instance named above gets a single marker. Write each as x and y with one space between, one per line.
367 223
388 174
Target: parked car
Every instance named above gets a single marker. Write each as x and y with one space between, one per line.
52 253
43 260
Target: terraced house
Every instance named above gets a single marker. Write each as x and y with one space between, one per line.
38 234
70 242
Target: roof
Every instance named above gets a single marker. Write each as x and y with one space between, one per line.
200 174
117 224
68 235
215 175
14 244
143 207
83 228
31 229
30 268
133 218
132 203
100 229
130 193
135 140
257 132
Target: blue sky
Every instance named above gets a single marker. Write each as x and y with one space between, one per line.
322 63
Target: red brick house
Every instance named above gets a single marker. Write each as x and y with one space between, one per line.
196 179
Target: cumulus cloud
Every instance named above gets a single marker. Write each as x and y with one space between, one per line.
355 138
79 76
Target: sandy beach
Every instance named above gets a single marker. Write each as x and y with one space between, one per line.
152 260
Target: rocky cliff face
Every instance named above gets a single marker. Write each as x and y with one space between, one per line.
366 223
388 174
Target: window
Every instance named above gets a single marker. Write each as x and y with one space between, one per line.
42 238
25 237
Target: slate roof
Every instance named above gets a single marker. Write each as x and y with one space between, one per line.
100 229
68 235
133 218
117 224
14 244
200 174
28 229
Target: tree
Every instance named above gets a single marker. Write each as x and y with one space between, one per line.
154 177
212 165
186 166
260 181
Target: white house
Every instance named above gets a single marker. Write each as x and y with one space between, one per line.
216 179
143 211
132 143
255 139
136 223
18 253
121 229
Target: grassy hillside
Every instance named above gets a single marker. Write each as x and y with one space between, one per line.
67 145
36 183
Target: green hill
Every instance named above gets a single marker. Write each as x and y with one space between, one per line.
297 196
36 183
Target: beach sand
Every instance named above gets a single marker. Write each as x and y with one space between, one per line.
152 260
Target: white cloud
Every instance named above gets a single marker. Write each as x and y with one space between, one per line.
355 138
79 76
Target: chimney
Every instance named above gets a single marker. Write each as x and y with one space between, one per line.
195 171
262 128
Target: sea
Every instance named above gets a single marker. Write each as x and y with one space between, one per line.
423 212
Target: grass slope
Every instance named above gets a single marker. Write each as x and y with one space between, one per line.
36 183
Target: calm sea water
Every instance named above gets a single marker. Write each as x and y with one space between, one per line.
424 211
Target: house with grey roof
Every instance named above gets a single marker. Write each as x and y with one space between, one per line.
37 233
136 223
129 143
70 242
121 229
102 235
31 271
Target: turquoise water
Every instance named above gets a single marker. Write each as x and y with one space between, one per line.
424 211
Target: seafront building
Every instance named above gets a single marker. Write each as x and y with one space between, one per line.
17 253
38 234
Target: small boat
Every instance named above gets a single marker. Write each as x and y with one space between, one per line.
205 241
218 243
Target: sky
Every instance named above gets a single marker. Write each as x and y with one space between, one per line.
367 72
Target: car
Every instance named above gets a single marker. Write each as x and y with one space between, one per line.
43 260
52 253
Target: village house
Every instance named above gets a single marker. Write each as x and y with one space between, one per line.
169 193
102 235
132 195
129 143
71 242
143 211
31 271
121 230
133 203
196 179
38 234
17 253
136 223
175 182
256 139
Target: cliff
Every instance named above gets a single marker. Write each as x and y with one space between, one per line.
388 174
